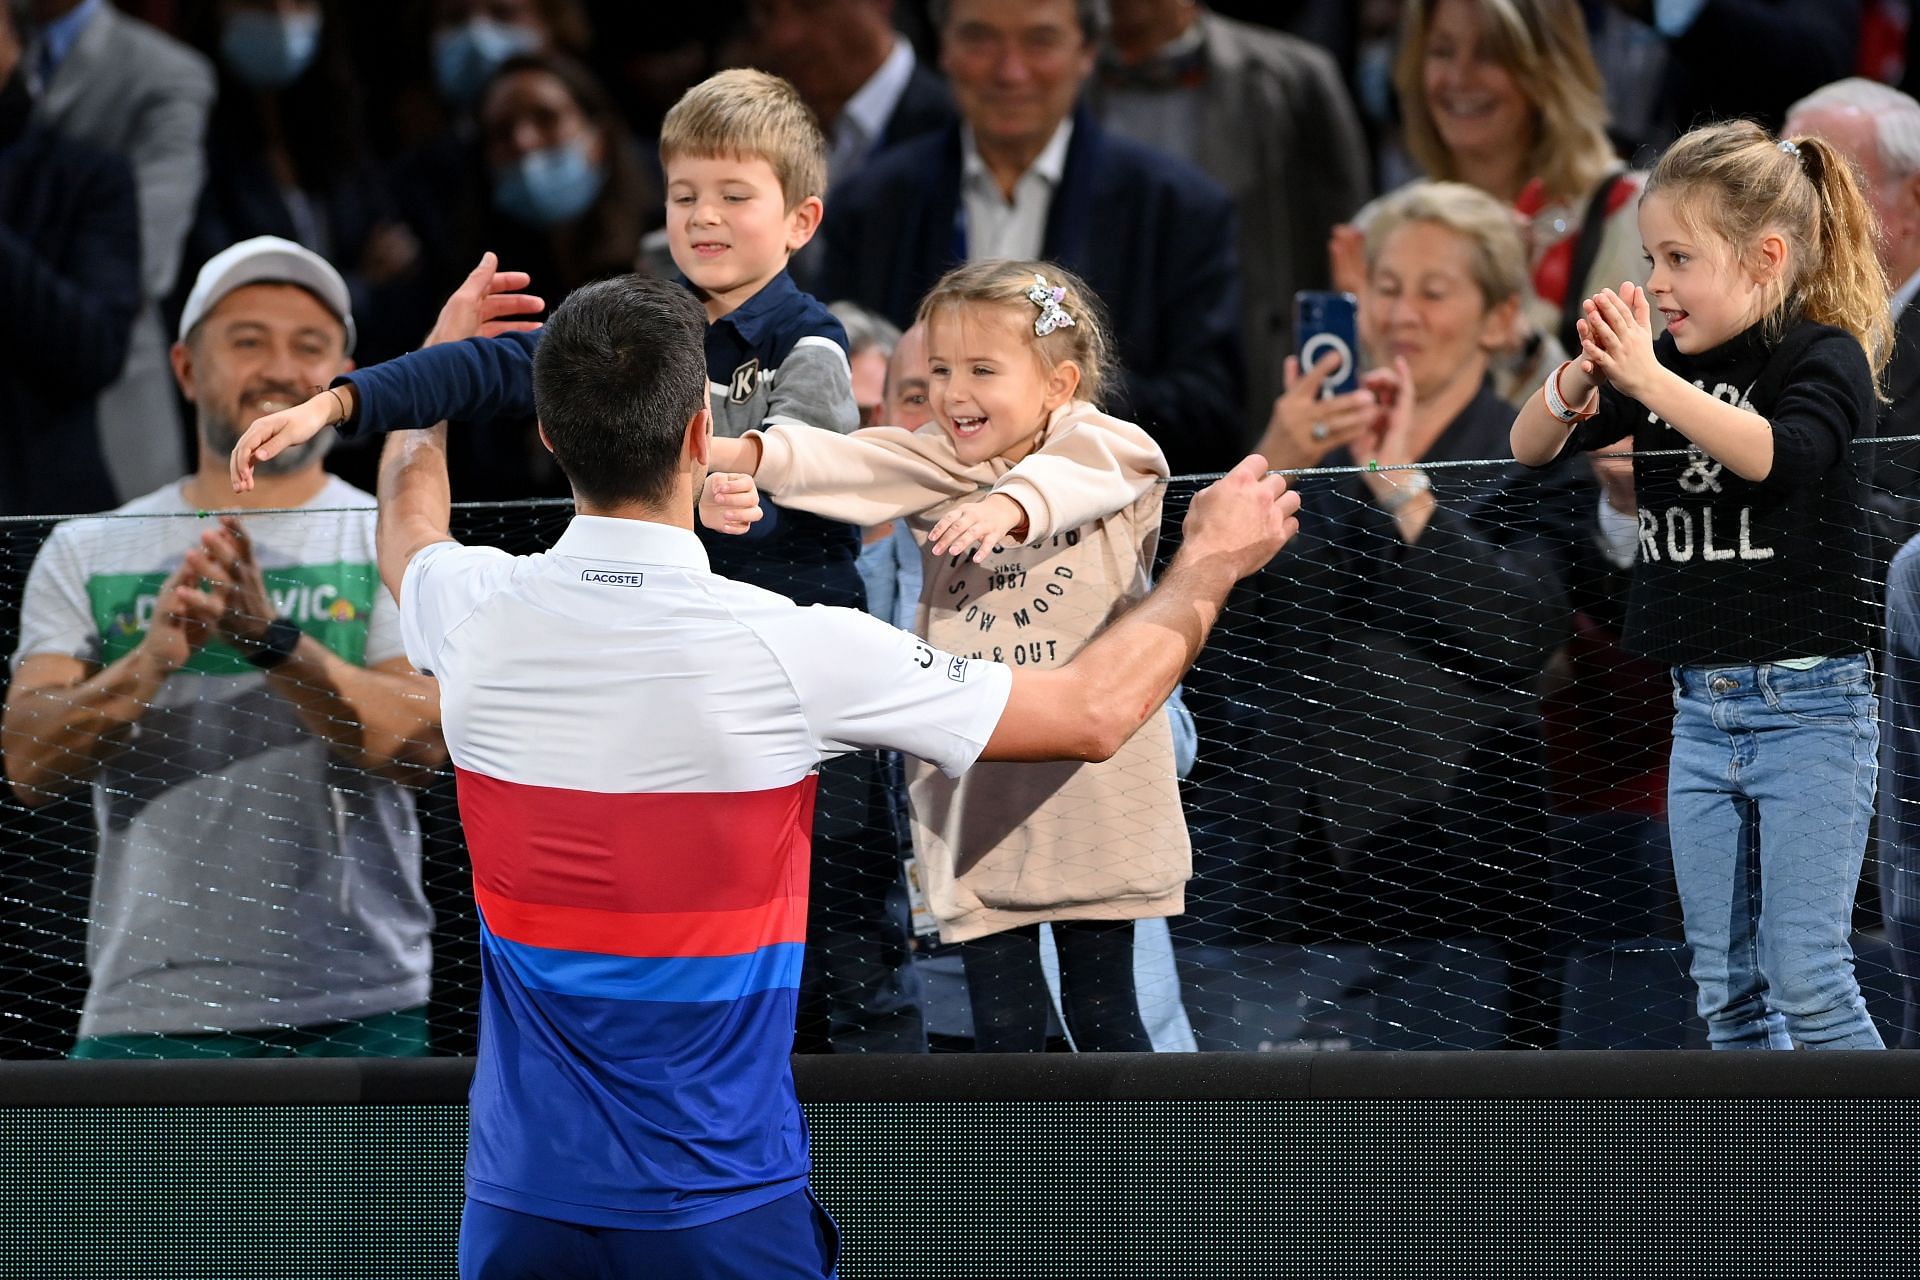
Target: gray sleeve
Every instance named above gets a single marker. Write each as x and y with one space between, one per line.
168 152
813 388
55 613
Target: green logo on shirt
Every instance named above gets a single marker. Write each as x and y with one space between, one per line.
330 602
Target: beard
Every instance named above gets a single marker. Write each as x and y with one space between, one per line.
220 433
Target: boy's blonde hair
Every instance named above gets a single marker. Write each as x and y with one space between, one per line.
1499 257
1737 181
750 115
1088 341
1543 46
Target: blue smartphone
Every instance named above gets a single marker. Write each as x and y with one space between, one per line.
1327 324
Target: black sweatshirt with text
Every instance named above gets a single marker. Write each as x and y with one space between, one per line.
1735 571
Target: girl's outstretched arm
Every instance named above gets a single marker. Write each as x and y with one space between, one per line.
872 476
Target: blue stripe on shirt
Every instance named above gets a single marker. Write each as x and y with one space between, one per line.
688 979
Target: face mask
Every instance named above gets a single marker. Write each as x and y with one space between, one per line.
545 188
270 50
465 56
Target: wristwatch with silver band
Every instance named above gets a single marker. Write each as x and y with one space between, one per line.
1408 486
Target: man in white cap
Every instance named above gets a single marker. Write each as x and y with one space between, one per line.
235 691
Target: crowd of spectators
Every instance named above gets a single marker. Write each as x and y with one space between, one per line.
1469 169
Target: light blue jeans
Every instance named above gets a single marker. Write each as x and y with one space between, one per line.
1769 793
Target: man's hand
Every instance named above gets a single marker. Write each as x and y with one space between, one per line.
225 557
1242 519
730 502
185 617
1613 468
476 309
277 432
986 523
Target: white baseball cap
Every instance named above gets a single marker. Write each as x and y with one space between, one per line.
267 260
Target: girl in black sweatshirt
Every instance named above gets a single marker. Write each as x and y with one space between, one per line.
1751 578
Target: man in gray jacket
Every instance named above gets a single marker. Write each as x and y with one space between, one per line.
115 82
1267 116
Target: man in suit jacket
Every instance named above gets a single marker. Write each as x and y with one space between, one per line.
70 271
120 85
857 73
1025 174
1878 128
1268 117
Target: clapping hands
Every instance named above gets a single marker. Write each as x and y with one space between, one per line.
1616 340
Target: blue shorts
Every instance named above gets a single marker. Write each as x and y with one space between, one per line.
791 1238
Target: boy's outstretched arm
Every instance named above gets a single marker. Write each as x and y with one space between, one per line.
487 375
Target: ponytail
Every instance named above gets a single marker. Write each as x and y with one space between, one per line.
1848 290
1739 182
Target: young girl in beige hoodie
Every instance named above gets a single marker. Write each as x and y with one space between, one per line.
1059 505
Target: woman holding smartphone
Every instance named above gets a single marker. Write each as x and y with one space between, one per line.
1416 610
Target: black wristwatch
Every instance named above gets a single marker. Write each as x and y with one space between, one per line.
274 647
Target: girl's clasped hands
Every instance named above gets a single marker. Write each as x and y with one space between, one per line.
1616 340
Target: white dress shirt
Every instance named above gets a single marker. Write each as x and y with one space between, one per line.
861 122
1017 228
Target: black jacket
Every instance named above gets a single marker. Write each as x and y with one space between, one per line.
1891 472
70 274
1377 702
1151 235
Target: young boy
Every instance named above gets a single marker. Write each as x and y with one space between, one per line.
745 165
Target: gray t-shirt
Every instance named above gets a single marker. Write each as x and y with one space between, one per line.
246 877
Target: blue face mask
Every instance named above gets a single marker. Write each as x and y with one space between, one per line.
465 56
547 187
270 50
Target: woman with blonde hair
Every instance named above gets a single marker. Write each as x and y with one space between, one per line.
1419 605
1505 95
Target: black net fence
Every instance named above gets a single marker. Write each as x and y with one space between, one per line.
1412 797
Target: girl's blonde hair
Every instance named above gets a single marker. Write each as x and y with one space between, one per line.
1088 341
1543 46
1737 181
1499 256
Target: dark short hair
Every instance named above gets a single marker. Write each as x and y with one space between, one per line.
620 370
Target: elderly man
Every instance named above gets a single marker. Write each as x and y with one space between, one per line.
236 693
1878 128
1027 175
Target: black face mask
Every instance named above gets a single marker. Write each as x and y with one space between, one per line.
16 107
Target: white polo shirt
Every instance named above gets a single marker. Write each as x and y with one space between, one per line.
635 740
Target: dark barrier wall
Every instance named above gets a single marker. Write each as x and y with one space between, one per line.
976 1168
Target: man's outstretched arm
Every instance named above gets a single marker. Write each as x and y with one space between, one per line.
1087 709
416 500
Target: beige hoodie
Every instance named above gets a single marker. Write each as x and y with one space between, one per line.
1015 844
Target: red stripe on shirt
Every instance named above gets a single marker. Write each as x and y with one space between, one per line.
651 934
659 852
